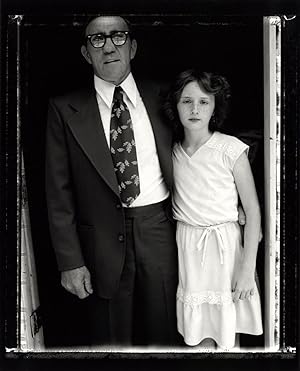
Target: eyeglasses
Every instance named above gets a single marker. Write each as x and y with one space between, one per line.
98 40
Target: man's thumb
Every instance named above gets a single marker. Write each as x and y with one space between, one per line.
88 285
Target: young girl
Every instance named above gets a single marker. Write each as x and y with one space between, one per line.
217 295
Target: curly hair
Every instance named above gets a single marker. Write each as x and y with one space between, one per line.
212 84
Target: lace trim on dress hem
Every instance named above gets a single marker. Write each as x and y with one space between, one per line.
210 297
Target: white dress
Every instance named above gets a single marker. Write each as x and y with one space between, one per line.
205 201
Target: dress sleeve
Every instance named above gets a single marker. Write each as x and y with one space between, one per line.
233 149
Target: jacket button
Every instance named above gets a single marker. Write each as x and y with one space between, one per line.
121 238
118 206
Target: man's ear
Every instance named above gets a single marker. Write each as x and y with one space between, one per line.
86 54
133 48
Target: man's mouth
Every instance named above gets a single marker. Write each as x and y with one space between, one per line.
111 61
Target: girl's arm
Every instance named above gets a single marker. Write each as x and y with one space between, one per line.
244 282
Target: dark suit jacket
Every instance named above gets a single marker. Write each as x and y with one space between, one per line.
86 219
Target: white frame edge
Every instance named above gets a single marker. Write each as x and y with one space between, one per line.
272 132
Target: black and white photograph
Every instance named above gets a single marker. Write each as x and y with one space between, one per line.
150 182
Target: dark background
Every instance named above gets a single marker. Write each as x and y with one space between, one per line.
51 64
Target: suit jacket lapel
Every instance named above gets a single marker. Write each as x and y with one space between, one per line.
162 133
87 128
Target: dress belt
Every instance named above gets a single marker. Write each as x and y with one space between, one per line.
202 243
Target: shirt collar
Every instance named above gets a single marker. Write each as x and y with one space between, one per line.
106 89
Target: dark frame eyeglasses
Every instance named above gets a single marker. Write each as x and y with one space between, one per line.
98 40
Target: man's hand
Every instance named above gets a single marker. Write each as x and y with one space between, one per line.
241 216
77 281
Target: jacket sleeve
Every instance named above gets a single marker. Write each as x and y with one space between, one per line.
59 194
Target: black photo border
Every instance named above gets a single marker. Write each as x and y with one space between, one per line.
9 190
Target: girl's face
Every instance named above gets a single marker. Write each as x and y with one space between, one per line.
195 107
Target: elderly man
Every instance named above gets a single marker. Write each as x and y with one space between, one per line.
108 182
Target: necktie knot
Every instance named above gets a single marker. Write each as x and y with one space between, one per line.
118 94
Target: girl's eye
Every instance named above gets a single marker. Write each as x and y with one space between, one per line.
204 102
186 101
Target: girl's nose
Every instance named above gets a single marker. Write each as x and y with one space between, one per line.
195 108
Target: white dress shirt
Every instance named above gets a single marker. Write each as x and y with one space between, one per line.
152 185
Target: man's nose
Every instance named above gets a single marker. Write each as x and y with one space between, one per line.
109 46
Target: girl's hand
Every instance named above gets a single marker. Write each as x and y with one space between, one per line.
243 285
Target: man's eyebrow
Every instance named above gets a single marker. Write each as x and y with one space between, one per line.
104 33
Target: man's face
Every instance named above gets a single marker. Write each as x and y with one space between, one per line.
110 63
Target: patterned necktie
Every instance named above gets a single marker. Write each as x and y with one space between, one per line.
122 148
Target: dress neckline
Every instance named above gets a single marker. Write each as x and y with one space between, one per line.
198 149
